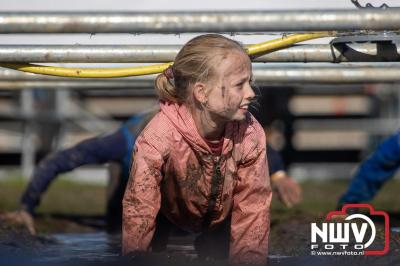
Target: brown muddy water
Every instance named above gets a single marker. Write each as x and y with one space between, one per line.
289 245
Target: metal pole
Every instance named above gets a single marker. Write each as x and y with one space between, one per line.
366 52
62 111
88 53
353 52
180 22
327 75
264 76
28 141
372 125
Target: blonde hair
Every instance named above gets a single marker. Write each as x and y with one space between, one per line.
195 62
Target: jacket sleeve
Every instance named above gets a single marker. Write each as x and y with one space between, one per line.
374 172
251 205
91 151
142 197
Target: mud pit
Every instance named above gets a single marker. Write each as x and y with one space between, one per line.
79 239
289 245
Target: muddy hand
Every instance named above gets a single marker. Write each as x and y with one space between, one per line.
288 190
20 217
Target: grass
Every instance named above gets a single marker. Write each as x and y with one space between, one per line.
63 196
76 199
320 197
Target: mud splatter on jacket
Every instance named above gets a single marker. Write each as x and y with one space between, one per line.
175 172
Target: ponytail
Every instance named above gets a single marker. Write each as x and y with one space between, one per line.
165 89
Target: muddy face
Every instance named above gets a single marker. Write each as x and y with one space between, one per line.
231 93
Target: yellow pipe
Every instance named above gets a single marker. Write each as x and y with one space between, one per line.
88 72
256 49
285 41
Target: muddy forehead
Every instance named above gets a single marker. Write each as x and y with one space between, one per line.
237 65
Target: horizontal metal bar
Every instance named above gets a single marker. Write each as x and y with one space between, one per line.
264 76
366 52
351 52
372 125
180 22
327 75
88 53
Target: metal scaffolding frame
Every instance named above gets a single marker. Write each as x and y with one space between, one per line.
180 22
353 52
345 21
264 75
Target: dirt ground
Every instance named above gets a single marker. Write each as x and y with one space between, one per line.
79 208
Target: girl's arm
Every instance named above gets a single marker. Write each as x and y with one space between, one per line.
251 204
142 197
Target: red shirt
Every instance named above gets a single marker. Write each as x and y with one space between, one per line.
216 148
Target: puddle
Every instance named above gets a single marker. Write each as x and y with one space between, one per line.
82 246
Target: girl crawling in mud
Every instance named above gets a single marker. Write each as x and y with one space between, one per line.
200 164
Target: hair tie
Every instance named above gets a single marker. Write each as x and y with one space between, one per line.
169 72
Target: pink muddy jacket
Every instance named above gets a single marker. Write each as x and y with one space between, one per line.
172 162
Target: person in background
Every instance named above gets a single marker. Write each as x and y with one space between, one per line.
373 172
115 149
287 189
